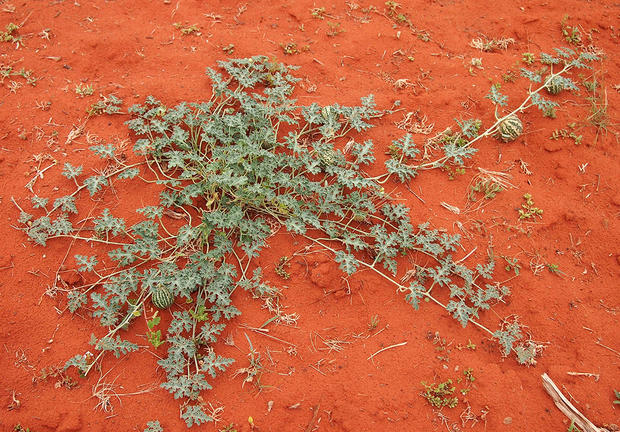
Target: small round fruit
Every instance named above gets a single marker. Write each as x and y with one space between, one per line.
510 129
162 298
554 86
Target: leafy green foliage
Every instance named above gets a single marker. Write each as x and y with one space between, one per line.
459 145
496 97
508 335
129 173
79 361
440 395
230 169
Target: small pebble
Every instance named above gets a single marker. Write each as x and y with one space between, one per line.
508 420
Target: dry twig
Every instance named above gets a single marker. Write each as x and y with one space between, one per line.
568 408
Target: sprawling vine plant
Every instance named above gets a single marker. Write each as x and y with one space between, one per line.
235 168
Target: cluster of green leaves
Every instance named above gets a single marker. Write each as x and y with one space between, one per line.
440 395
528 210
571 34
230 167
486 187
7 71
563 59
8 35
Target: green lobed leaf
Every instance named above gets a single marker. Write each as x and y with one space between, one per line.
195 415
71 171
104 151
348 263
95 183
85 263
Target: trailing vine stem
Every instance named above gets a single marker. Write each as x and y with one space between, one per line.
570 61
399 287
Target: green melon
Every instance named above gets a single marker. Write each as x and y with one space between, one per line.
554 86
162 298
510 129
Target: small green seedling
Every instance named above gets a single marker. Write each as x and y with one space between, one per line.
440 395
290 48
469 375
512 264
334 29
527 210
568 132
554 268
84 90
572 34
470 346
528 58
254 371
187 29
200 314
393 12
374 322
7 71
318 12
487 187
8 35
154 337
281 266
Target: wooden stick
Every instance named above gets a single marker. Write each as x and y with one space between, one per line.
315 413
567 408
610 349
265 332
585 374
387 348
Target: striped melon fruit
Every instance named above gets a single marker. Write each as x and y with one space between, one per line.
510 129
162 298
554 86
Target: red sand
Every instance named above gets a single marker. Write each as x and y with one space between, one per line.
133 50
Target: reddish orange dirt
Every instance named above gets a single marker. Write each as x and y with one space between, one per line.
132 49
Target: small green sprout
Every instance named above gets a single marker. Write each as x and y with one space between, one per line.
527 210
528 58
440 395
572 34
84 90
